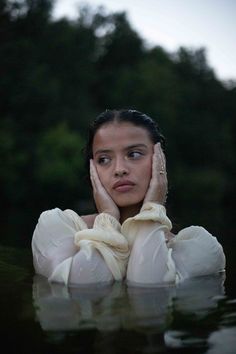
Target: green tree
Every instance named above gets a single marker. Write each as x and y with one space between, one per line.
59 165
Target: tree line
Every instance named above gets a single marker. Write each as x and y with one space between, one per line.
56 76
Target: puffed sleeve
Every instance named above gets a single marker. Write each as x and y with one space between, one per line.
66 251
156 260
53 241
196 252
150 259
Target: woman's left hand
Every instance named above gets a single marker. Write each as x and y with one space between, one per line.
103 201
158 186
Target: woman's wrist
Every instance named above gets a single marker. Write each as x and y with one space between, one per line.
159 201
154 211
114 214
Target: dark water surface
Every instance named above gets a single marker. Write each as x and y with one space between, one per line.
197 316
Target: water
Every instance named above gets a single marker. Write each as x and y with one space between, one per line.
197 316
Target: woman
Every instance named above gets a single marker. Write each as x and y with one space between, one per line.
130 235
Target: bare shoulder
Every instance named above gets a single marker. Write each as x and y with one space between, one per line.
89 219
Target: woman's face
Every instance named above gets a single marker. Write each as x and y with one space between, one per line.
122 153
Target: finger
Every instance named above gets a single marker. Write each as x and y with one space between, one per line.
158 165
97 184
93 175
161 158
155 161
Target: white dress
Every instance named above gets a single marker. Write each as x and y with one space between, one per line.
65 250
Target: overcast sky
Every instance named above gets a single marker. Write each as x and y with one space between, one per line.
174 23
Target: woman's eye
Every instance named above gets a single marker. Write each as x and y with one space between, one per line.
103 160
135 154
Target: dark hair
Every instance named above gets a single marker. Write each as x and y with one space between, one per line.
132 116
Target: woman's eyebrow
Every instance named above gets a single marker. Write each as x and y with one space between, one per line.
133 146
103 151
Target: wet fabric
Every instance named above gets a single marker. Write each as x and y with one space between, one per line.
65 250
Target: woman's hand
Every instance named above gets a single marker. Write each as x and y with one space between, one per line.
103 201
157 190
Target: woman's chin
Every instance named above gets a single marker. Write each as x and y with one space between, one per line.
129 204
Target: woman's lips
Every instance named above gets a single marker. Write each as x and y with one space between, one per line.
123 186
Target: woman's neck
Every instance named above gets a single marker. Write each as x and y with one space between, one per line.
129 211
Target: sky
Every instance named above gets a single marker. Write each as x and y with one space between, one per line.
173 23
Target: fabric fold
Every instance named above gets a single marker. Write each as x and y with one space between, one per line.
61 272
150 212
105 236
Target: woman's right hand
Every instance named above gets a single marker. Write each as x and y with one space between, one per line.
103 201
158 186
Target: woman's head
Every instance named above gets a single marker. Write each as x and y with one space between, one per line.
131 116
121 143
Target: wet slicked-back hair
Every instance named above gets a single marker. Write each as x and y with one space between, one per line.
122 116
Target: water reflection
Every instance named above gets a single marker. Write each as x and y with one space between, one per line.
194 317
117 306
200 295
194 314
60 308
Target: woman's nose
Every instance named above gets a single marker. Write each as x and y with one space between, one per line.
120 168
120 173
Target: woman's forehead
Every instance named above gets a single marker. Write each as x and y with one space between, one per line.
120 133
